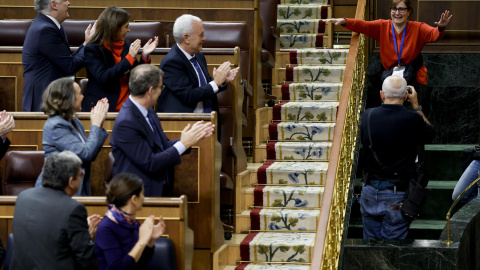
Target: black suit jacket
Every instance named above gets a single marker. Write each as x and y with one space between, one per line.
137 150
4 147
50 231
182 92
104 75
46 57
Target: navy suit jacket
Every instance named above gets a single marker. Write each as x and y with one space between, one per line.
50 232
182 92
104 75
137 150
46 57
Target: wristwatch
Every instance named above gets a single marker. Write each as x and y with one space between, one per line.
418 109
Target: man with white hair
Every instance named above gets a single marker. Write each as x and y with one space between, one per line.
46 54
189 87
391 137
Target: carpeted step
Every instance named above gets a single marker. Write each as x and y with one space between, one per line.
253 266
302 74
291 12
318 151
311 91
305 26
305 111
289 41
288 196
292 173
284 219
277 247
304 2
295 131
318 56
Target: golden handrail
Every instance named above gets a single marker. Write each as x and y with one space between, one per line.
330 229
448 242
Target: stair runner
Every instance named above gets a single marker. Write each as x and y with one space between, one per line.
288 197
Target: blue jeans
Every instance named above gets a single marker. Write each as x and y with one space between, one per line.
381 214
469 175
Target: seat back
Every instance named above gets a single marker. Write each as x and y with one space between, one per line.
22 169
83 85
75 30
13 32
145 31
230 35
109 168
164 256
8 252
268 13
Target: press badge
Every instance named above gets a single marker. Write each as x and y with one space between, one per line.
398 71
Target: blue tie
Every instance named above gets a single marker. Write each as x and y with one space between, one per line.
207 104
154 128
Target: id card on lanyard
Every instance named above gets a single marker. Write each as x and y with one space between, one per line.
399 70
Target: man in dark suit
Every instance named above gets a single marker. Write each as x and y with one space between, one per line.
7 124
189 87
46 54
139 144
50 229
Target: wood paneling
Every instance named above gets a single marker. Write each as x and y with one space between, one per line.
173 211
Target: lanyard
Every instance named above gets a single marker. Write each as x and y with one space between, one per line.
399 55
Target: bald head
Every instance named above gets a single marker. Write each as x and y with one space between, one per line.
394 87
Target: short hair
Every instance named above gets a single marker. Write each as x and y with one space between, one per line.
394 87
108 24
142 77
59 98
183 25
43 6
122 187
394 3
58 169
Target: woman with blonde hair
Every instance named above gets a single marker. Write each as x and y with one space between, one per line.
64 131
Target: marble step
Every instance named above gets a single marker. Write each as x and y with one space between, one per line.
308 91
277 247
302 26
318 56
306 111
298 41
290 266
288 196
291 151
305 2
290 12
292 173
443 161
300 131
314 74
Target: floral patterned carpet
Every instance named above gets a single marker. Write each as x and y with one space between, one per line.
290 185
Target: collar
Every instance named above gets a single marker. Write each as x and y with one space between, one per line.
185 53
54 20
142 109
397 106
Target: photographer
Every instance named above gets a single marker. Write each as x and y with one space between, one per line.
391 135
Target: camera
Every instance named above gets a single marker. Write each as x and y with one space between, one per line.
409 89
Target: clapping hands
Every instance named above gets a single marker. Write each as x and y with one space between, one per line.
149 47
89 33
191 134
149 232
7 124
99 112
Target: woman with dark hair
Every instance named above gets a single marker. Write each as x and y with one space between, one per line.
109 57
401 41
121 242
63 131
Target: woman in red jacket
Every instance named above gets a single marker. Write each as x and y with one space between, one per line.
410 37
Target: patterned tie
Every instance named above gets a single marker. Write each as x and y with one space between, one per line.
154 127
207 104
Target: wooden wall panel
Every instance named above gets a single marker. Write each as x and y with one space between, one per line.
8 92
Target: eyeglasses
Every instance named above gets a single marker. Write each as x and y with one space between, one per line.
400 10
162 87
